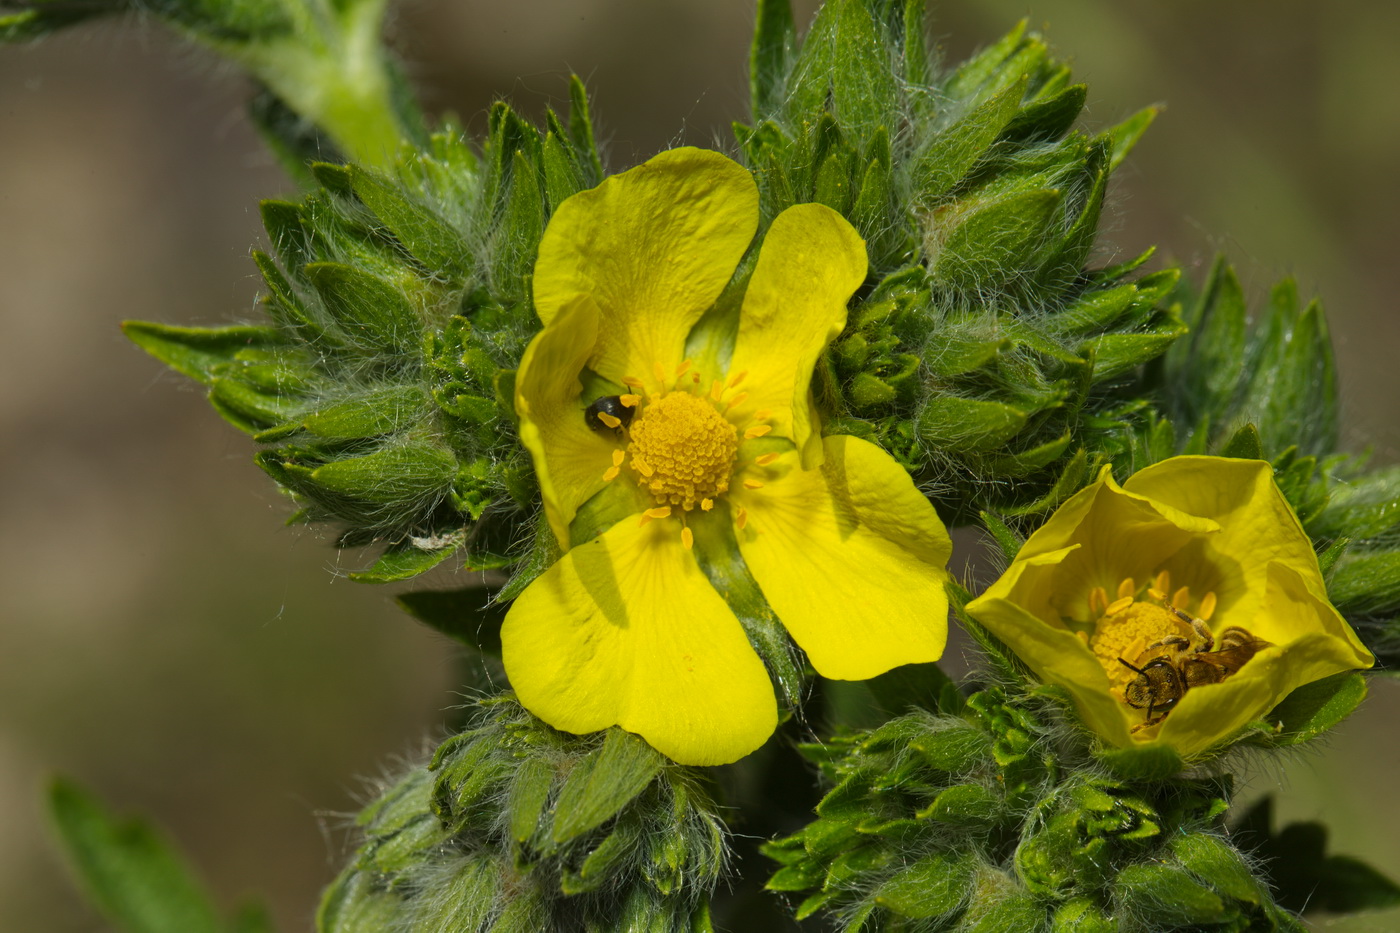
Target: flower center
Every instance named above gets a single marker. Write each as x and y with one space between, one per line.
1127 633
682 449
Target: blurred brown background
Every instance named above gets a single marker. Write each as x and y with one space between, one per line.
165 641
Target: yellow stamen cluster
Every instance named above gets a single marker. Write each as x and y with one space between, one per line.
1125 627
682 449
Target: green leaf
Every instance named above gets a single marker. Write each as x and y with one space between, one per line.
909 685
469 615
603 783
1124 136
964 804
1167 894
1218 865
968 425
130 872
956 149
934 886
407 559
393 476
844 68
1007 540
432 240
381 411
202 353
1302 404
1153 762
1314 708
372 313
1244 444
251 918
1304 876
774 37
581 129
1049 118
355 903
529 792
995 241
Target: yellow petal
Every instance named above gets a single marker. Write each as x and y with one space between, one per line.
810 264
851 557
625 630
570 457
1258 527
653 247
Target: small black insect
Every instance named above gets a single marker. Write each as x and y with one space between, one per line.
608 414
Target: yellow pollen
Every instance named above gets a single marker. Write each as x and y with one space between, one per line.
630 401
687 538
632 382
659 512
1126 634
716 390
1118 605
707 504
610 473
618 457
752 484
757 430
612 421
765 459
685 449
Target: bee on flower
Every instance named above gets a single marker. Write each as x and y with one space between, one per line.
663 426
1175 608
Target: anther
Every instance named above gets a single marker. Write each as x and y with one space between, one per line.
1207 607
1118 605
683 367
757 430
707 504
737 400
743 518
752 484
766 459
763 414
630 401
738 378
687 538
1182 597
611 421
716 390
659 372
1127 588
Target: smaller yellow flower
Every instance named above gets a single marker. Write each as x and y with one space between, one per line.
1175 608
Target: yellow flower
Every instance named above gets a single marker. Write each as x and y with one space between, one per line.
1093 591
711 432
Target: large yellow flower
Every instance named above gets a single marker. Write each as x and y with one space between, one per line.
1093 591
711 433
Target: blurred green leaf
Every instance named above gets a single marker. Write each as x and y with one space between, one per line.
131 873
469 615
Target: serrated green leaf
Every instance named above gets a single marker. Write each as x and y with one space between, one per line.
1116 354
994 242
249 409
561 175
581 130
1305 385
603 783
964 804
132 874
1008 541
469 615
